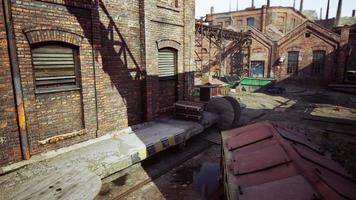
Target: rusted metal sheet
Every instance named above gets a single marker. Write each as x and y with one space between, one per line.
259 158
263 162
295 137
281 189
248 137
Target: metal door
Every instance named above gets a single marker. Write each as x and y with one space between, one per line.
257 69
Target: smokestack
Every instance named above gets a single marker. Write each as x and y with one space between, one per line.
230 6
237 5
212 10
353 13
327 10
321 13
338 14
268 3
294 4
253 3
301 6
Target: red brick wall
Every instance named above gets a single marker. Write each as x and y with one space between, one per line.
9 137
115 91
58 113
306 46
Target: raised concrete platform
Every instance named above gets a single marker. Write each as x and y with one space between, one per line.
104 156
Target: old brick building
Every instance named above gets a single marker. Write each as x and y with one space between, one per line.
286 45
81 69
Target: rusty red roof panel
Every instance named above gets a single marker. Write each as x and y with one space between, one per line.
262 161
255 159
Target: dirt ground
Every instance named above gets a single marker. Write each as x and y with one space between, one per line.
328 118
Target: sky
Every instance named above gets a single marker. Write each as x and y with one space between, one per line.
203 6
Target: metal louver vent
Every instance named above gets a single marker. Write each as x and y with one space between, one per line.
54 68
167 60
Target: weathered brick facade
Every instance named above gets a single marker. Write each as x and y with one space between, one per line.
279 30
117 43
10 150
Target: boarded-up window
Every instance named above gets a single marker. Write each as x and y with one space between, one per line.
318 62
293 57
55 68
167 61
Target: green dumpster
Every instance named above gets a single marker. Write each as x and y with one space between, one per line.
251 84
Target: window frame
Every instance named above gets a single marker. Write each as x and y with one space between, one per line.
175 51
248 20
292 65
319 66
77 70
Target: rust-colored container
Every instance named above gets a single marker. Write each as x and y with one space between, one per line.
265 161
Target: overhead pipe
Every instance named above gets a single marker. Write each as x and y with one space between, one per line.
15 72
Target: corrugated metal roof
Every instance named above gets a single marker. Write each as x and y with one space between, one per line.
265 161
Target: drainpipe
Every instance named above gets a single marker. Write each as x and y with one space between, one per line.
93 39
15 71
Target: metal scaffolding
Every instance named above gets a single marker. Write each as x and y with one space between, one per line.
215 45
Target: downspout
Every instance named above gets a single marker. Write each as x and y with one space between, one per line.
15 71
185 85
95 8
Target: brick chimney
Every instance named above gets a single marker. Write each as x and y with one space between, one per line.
264 19
301 6
327 10
338 14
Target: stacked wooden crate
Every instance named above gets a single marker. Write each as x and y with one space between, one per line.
189 110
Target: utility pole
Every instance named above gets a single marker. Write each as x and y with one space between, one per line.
327 10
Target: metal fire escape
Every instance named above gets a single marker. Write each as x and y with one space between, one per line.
214 46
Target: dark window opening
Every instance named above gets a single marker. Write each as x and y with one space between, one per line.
318 62
307 34
167 63
227 23
55 68
250 21
293 57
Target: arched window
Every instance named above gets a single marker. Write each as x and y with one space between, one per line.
318 62
167 62
250 21
55 67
